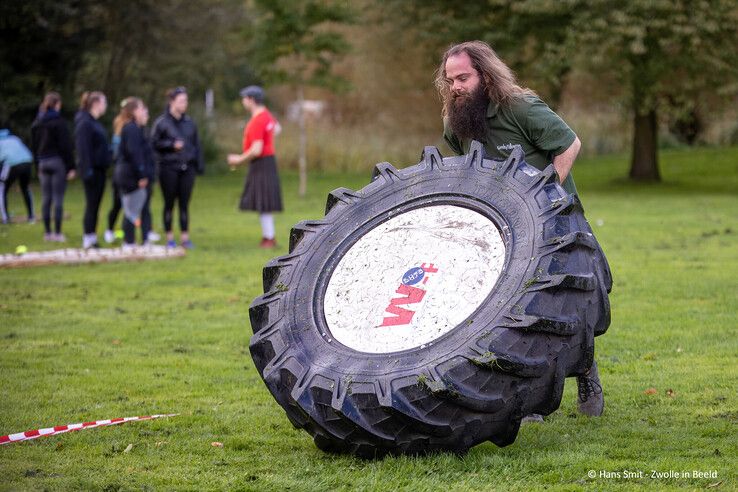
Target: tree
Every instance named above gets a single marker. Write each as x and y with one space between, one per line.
296 43
663 52
43 47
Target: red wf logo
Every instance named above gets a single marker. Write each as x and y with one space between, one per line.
410 295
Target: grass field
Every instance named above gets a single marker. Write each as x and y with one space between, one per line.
92 342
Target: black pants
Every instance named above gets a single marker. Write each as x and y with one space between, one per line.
129 228
53 177
114 208
94 190
176 186
8 175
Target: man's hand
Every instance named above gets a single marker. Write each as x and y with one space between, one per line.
564 161
178 145
71 174
143 182
234 160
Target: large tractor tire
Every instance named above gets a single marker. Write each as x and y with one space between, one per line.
432 309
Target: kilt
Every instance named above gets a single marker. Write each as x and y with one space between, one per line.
261 191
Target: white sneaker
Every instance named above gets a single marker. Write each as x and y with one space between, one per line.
109 236
89 241
153 237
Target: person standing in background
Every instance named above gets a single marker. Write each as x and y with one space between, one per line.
134 168
179 158
15 163
93 159
261 191
52 145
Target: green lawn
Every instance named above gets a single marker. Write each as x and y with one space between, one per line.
102 341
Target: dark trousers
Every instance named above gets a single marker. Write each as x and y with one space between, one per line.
8 175
53 176
114 208
94 190
176 186
129 228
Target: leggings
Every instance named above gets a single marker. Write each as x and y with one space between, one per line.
94 188
129 228
114 208
176 185
53 177
8 175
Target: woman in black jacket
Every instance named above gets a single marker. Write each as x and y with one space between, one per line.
135 164
93 159
178 153
51 144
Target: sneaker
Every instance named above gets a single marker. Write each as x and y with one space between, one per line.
128 247
89 241
153 236
590 399
533 418
171 243
31 220
49 237
59 238
109 236
268 243
188 244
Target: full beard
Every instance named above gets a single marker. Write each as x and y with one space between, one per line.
467 114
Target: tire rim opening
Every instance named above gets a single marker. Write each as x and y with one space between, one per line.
413 278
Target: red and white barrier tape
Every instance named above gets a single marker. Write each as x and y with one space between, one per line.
61 429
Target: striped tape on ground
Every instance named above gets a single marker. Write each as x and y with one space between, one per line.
61 429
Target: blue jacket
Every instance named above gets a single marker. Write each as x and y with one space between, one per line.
91 139
12 150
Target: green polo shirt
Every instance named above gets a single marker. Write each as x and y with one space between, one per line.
527 122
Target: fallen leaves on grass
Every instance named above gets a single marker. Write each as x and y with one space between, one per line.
651 391
216 444
128 448
670 393
713 485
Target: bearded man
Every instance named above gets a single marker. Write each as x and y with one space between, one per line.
482 101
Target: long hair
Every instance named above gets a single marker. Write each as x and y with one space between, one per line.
498 80
127 107
51 99
87 99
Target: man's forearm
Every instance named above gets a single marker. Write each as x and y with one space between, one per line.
564 161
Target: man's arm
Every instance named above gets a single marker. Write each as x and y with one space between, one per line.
252 153
564 161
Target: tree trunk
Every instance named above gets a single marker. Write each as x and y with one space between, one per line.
302 153
644 165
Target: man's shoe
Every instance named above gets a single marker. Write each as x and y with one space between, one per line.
109 236
268 243
153 236
590 399
188 244
171 243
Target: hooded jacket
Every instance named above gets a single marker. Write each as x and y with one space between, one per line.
166 130
91 139
50 137
12 150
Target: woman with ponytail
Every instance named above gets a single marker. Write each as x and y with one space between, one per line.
51 144
134 168
93 159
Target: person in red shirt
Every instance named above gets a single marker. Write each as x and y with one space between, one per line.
261 191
